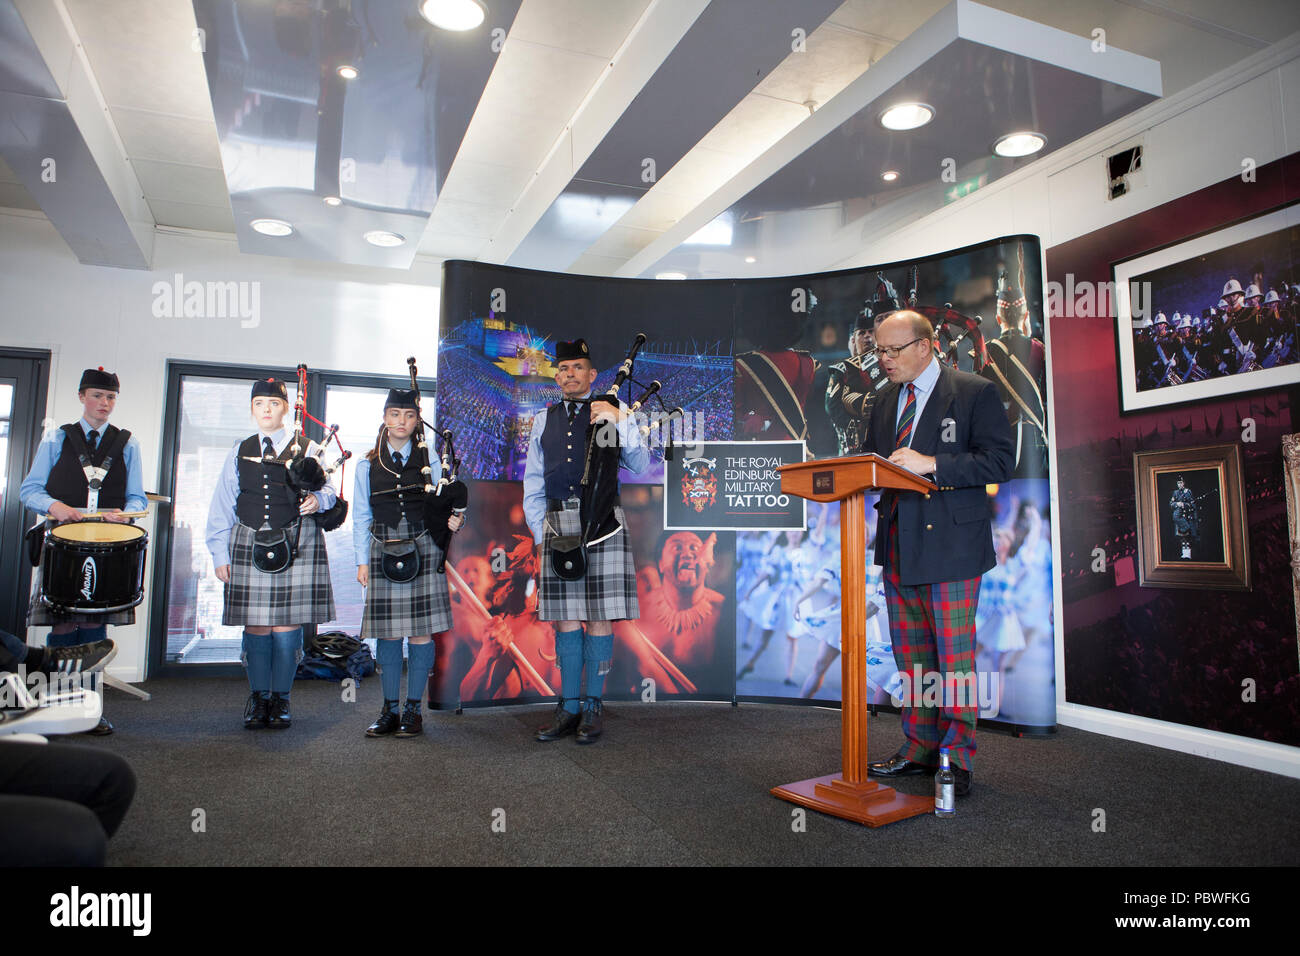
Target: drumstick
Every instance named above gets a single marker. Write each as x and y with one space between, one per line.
664 661
101 515
524 664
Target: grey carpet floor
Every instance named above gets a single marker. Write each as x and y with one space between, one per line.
670 784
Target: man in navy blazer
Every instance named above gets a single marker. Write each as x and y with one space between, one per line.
934 547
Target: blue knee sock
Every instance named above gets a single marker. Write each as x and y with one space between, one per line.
597 652
257 662
568 654
419 662
389 651
75 636
284 659
87 635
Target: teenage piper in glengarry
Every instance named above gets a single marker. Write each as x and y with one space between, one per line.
269 552
580 530
59 483
397 532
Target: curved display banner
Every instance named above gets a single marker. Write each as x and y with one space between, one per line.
737 584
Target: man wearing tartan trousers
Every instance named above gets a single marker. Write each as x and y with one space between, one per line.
934 547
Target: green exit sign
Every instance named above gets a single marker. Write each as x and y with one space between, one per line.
965 188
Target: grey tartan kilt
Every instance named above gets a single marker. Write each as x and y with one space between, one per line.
420 606
607 592
300 594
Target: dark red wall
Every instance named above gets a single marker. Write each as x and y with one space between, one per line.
1175 655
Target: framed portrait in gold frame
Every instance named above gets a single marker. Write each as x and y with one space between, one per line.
1191 527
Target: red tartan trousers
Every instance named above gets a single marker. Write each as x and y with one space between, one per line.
932 628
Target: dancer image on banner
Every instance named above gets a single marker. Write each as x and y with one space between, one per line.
269 552
406 596
769 605
59 483
587 577
998 632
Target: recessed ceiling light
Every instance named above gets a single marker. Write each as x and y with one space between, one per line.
453 14
382 237
750 259
272 227
333 201
348 72
670 275
1019 144
889 175
906 116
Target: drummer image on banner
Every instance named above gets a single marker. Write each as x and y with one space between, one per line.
406 596
270 554
584 608
59 486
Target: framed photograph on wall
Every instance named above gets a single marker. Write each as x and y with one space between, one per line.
1191 519
1210 316
1291 470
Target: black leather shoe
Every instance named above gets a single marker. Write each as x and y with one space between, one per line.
562 724
278 717
897 766
962 780
412 722
101 729
386 723
592 723
255 712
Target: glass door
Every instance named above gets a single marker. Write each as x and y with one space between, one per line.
24 377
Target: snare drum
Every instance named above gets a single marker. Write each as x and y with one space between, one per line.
93 567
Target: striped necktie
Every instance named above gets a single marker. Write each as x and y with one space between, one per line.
907 419
905 423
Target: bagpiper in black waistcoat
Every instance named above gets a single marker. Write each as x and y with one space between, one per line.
264 492
389 509
67 482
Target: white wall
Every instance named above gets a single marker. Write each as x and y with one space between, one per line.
328 316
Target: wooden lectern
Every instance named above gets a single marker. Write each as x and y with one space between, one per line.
850 794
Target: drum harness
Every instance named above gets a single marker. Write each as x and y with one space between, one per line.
95 475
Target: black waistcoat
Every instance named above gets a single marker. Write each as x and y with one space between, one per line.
264 492
390 509
564 451
67 482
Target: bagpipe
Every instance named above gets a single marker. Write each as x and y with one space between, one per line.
600 470
306 474
443 498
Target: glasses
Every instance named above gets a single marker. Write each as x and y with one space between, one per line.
893 351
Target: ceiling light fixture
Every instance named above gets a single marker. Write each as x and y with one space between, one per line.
750 259
906 116
1019 144
889 175
670 275
333 201
272 227
348 71
384 238
453 14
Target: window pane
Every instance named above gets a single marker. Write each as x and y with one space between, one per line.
6 412
213 416
358 412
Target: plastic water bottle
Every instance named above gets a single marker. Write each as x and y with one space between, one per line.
945 788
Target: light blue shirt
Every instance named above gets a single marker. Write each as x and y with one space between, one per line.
924 383
32 491
362 516
221 513
634 455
